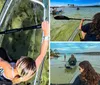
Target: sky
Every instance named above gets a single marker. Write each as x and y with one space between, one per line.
76 2
75 47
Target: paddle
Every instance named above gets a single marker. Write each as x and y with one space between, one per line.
21 29
67 18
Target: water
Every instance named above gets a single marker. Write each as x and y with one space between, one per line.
60 28
87 12
60 75
16 45
1 4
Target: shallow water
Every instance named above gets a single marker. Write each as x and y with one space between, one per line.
60 75
86 12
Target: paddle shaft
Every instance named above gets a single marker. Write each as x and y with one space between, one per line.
21 29
79 19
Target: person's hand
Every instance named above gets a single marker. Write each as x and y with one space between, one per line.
81 23
45 28
82 20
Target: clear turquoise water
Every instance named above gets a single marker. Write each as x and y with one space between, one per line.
60 75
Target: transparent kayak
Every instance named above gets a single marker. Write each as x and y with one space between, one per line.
18 14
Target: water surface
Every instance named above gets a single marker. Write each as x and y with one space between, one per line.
60 75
